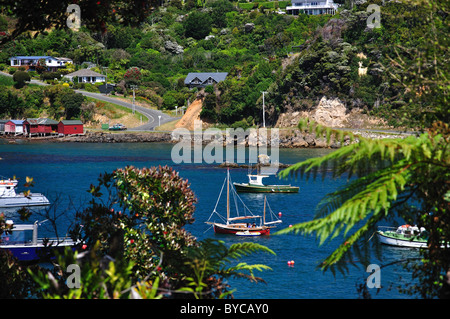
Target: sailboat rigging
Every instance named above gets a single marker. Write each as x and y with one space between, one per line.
236 225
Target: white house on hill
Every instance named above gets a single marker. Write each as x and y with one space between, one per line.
86 76
312 7
31 61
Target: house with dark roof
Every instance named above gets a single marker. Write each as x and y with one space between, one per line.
29 62
86 76
204 79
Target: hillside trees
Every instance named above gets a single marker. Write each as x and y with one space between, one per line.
95 15
410 46
31 101
197 25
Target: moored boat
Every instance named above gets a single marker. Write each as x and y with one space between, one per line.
255 181
9 197
235 225
247 233
23 242
255 185
403 236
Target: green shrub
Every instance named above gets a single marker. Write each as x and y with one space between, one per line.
91 88
20 77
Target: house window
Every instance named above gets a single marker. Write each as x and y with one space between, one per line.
94 79
15 62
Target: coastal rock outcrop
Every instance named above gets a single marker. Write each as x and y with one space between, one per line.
103 137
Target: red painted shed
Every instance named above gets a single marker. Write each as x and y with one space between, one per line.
67 127
41 126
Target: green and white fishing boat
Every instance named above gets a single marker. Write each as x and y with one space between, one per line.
255 185
403 236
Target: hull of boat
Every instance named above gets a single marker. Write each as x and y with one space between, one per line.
23 201
393 241
235 228
247 188
29 253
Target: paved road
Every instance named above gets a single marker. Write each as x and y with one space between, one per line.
152 115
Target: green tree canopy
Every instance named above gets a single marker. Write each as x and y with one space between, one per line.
197 25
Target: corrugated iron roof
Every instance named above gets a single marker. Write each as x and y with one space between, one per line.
71 122
41 121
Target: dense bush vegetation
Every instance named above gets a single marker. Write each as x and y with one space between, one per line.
253 46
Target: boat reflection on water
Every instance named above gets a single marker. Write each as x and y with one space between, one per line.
242 224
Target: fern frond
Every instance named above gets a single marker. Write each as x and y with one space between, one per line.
239 270
239 250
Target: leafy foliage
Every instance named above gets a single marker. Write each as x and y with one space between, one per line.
95 14
20 77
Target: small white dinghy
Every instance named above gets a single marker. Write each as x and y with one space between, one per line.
248 233
9 197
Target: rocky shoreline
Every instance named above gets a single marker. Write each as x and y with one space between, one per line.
285 139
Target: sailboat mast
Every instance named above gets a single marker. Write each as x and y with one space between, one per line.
228 195
264 215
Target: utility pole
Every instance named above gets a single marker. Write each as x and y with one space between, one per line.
134 107
264 115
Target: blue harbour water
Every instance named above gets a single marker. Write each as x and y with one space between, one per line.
64 171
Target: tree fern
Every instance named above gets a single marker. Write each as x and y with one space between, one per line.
387 173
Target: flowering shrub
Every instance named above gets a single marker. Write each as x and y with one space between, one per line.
133 76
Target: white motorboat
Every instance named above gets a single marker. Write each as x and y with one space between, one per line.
24 244
403 236
9 197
